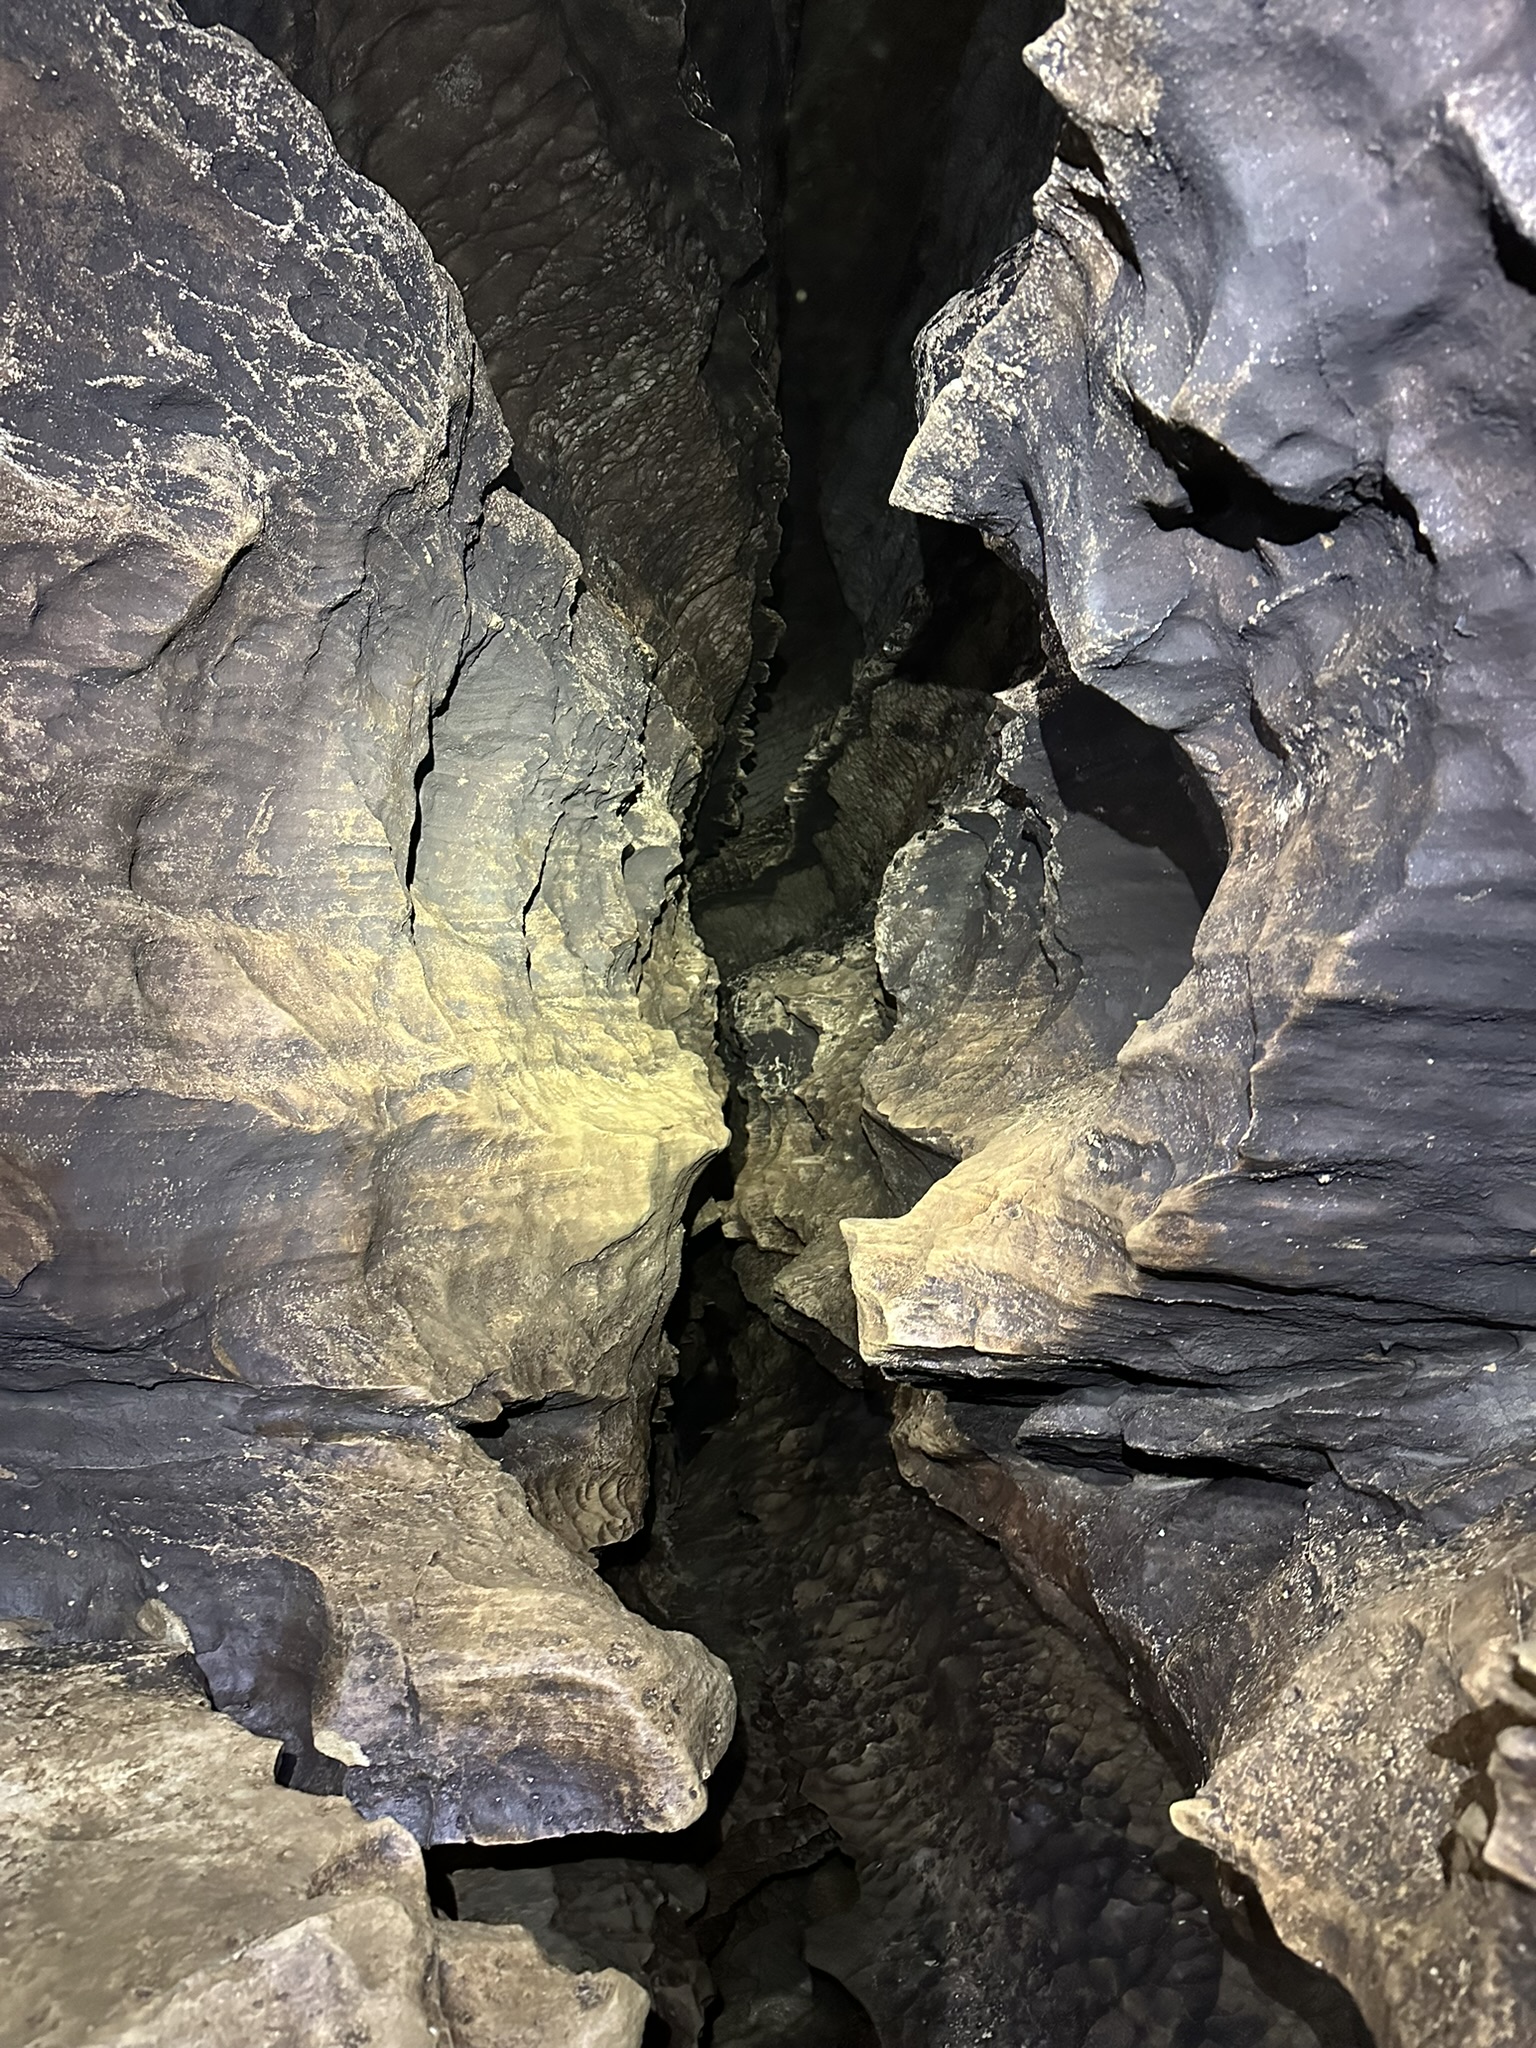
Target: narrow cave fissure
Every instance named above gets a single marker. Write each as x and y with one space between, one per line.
1002 1409
943 1817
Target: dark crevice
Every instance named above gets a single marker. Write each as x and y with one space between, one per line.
1516 255
413 844
1075 147
1397 505
1120 1463
1111 766
941 1816
1224 501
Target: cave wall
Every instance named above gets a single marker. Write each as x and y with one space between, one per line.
565 163
1224 1326
1128 919
355 1037
203 1903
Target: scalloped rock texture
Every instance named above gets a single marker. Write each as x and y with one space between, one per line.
354 1033
564 162
1221 1321
358 1051
1004 1811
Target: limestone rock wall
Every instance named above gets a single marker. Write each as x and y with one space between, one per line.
565 162
354 1034
1221 1319
161 1889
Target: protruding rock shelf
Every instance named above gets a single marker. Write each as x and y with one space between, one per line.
161 1890
1226 1336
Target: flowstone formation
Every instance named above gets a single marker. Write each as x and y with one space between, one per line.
1220 1319
355 1036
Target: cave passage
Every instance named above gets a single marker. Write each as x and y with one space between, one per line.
766 1098
943 1819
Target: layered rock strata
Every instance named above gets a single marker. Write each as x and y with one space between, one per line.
161 1889
1221 1319
354 1032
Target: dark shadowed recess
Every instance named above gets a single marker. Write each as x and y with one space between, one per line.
1133 778
913 144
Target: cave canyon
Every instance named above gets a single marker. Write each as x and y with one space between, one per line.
768 1024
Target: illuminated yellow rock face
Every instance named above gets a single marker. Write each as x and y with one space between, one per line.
353 1037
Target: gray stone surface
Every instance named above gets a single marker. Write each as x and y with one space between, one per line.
342 925
564 161
1222 1317
354 1036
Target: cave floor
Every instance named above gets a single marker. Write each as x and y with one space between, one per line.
942 1821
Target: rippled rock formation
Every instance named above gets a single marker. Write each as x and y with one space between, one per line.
564 162
355 1036
1127 932
1222 1314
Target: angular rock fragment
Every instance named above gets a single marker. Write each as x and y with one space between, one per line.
498 1987
803 1028
160 1889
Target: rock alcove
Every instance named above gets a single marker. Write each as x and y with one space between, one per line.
765 1188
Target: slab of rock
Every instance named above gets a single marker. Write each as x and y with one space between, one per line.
375 1593
161 1889
498 1988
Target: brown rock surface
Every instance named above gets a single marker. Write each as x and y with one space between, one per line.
161 1890
344 1080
